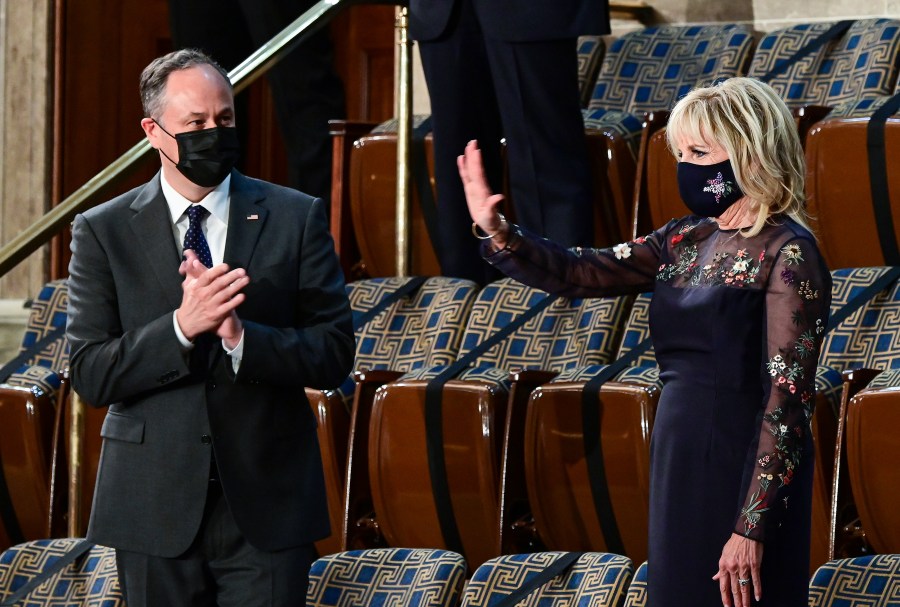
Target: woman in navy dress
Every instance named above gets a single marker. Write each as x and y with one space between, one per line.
740 305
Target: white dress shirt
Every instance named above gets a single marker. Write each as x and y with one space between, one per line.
215 228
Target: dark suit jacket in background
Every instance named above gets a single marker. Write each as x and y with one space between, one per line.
508 68
167 409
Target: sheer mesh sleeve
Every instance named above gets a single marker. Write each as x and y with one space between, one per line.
629 267
797 301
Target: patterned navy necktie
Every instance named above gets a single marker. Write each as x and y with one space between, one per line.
194 238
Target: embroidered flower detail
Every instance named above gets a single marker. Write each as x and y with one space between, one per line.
792 254
806 291
752 512
820 326
806 344
718 187
742 253
788 276
764 461
762 255
740 265
640 240
622 251
677 238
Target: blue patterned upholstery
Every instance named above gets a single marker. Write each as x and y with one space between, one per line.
92 581
568 334
48 312
865 581
828 386
870 337
649 70
597 579
636 329
863 62
885 379
637 590
387 577
421 331
590 53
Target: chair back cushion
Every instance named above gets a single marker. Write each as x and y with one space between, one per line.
863 62
48 312
864 581
387 577
648 70
568 333
637 590
597 579
91 581
870 337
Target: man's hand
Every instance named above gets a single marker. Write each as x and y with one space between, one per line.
209 299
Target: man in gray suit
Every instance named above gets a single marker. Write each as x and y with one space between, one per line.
210 483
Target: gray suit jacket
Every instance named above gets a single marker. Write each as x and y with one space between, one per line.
168 409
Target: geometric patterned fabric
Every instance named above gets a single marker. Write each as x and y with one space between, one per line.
48 312
650 69
637 590
862 63
597 579
567 334
590 53
422 330
865 581
885 379
637 328
91 581
870 337
387 577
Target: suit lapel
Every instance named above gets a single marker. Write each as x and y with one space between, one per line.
246 218
152 226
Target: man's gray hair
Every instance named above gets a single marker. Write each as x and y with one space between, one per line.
155 76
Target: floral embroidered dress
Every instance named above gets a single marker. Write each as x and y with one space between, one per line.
736 324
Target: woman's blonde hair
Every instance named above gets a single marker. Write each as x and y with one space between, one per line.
754 126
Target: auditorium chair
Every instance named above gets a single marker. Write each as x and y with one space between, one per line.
595 579
865 344
28 412
385 577
422 329
637 589
557 479
91 581
873 450
364 190
643 74
865 581
482 419
839 190
862 62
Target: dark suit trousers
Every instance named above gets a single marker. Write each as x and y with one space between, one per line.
219 569
526 92
306 90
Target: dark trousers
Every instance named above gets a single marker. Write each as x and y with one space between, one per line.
526 92
306 90
220 568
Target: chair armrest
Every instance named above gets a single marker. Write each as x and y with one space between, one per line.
857 379
376 376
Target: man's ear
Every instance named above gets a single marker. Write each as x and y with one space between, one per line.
151 130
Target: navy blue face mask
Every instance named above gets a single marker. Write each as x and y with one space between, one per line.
206 157
708 190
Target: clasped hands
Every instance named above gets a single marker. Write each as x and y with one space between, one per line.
209 300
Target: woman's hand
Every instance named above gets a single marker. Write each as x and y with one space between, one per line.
740 560
482 203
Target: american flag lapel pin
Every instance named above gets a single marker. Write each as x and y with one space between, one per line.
252 217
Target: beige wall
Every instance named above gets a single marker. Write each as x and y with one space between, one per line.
25 136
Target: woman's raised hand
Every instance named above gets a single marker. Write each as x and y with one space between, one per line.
482 203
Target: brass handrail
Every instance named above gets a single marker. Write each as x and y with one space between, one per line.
257 64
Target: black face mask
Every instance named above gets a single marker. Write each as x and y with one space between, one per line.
708 190
206 157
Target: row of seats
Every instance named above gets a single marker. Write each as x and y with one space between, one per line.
513 447
435 578
639 79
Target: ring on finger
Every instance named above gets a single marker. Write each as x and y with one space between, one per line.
743 581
